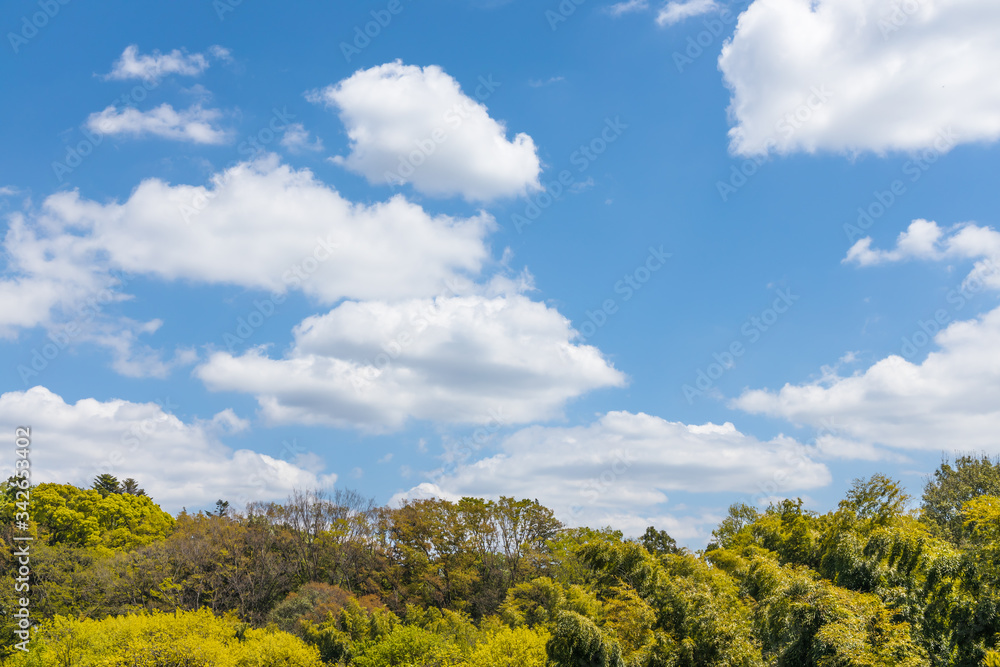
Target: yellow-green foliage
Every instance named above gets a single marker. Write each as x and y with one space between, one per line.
536 602
82 517
804 620
507 647
191 639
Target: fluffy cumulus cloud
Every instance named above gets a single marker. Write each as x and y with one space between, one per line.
196 125
259 225
950 400
415 125
470 358
926 240
865 75
621 468
153 67
177 463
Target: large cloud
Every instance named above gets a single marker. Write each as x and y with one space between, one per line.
863 75
259 225
176 462
621 468
463 359
949 401
408 124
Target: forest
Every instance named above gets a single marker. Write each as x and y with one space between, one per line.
335 579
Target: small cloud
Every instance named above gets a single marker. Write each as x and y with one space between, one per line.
194 124
628 7
675 12
153 67
221 53
227 422
8 191
297 139
580 186
357 473
386 459
538 83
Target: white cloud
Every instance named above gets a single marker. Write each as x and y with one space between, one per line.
221 53
926 240
459 359
154 67
675 12
541 83
949 401
896 76
622 467
297 139
627 7
176 462
408 124
194 124
260 225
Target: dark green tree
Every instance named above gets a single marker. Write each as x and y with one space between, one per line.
659 543
106 484
131 487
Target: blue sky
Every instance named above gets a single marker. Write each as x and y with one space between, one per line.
636 260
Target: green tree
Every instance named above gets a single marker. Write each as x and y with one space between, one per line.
659 543
577 642
951 487
106 484
131 487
